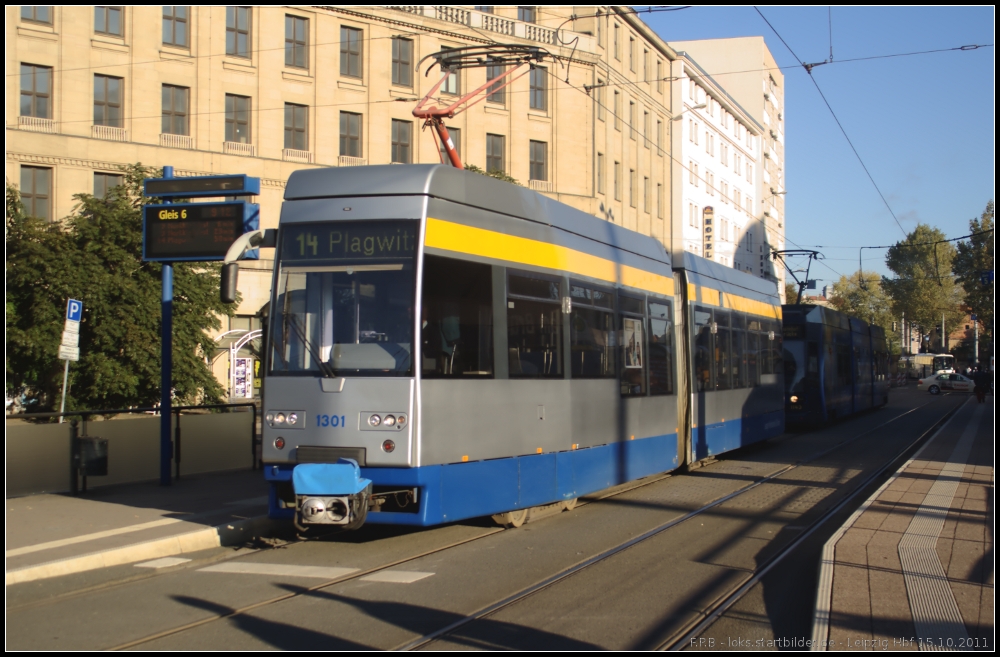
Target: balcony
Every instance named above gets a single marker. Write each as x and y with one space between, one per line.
238 148
348 161
295 155
452 15
541 186
176 141
35 124
499 25
480 20
108 133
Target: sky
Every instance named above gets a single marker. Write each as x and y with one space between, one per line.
922 124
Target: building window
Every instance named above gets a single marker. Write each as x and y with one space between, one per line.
495 94
646 134
631 120
600 99
526 14
633 191
175 26
618 181
695 133
105 182
36 91
37 14
36 192
455 134
599 22
645 66
107 101
453 84
108 20
600 173
350 52
484 9
238 119
401 138
749 174
174 110
659 76
495 150
631 54
710 183
659 200
539 87
618 111
238 31
737 200
296 122
737 164
618 47
350 134
645 194
724 191
659 134
296 42
539 159
402 62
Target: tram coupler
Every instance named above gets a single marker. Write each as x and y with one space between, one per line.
331 494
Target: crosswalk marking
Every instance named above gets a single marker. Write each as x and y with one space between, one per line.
396 576
320 572
165 562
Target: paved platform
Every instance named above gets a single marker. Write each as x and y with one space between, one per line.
52 535
912 569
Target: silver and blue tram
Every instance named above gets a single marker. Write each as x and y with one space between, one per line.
835 365
443 345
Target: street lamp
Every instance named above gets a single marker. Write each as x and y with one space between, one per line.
678 117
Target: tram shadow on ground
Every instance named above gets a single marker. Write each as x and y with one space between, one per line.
418 620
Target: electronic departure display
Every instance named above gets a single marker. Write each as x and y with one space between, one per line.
349 241
233 185
195 231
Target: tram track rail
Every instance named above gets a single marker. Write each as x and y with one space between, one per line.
679 638
719 607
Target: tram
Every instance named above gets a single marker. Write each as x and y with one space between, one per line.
443 345
835 365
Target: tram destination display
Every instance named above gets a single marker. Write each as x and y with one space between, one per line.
195 231
349 241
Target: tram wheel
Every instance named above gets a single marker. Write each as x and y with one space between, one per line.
511 519
569 505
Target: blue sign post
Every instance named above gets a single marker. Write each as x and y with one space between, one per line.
185 232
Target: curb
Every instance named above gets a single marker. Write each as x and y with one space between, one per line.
225 535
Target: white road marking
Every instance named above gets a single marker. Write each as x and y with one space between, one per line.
91 537
165 562
396 576
320 572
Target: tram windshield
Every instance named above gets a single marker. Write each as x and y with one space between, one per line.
343 314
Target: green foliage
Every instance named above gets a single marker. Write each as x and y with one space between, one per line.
95 255
973 257
791 292
862 295
923 288
495 173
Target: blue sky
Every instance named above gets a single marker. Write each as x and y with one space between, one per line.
922 124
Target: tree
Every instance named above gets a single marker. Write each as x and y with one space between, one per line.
974 257
924 288
791 292
495 173
95 255
862 295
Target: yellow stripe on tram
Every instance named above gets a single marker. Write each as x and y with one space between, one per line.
499 246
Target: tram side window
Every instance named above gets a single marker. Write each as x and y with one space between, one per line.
592 333
776 346
633 346
702 327
767 348
534 327
739 351
456 319
843 365
752 352
723 348
661 349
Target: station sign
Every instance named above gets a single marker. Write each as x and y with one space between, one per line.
196 231
202 186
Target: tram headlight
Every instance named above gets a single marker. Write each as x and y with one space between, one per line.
293 418
279 418
401 421
269 417
375 420
389 421
794 399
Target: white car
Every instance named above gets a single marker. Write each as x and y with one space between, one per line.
940 382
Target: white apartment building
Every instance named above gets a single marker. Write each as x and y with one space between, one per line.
716 144
748 72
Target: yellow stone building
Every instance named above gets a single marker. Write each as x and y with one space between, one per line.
269 90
